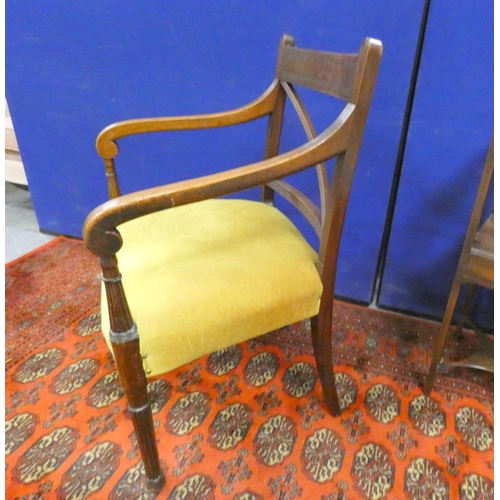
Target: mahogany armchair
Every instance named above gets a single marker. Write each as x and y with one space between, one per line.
200 273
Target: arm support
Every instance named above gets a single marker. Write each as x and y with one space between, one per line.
100 232
264 105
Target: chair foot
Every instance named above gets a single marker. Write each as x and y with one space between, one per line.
332 403
322 343
156 484
431 376
428 385
327 379
142 419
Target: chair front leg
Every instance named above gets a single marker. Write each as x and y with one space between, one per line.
321 330
125 342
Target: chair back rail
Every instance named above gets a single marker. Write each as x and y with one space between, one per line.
361 94
326 72
310 131
309 209
350 77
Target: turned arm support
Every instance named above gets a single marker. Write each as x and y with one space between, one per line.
100 232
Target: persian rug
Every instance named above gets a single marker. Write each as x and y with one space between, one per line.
244 423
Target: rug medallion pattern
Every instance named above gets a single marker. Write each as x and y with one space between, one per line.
245 423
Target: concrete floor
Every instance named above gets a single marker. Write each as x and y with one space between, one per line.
22 233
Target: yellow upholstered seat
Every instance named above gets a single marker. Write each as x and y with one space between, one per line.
208 275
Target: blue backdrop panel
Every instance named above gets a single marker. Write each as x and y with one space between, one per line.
75 67
451 127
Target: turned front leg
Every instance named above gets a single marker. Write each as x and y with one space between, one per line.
125 342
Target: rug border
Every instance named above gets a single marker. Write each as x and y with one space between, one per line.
56 239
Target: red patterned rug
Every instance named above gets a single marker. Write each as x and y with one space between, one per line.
244 423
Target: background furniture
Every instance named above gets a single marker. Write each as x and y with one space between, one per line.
448 137
14 170
475 268
202 274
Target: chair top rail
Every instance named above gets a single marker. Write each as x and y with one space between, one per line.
327 72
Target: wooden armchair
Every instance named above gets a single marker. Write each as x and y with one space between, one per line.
201 273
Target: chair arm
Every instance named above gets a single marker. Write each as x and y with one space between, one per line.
99 230
262 106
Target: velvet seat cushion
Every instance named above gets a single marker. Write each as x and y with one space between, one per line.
208 275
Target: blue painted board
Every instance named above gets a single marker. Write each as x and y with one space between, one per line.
74 67
451 127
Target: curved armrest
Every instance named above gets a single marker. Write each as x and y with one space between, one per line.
262 106
100 232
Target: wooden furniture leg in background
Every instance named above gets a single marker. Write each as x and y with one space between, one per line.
475 268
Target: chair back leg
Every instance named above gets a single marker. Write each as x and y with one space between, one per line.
321 330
